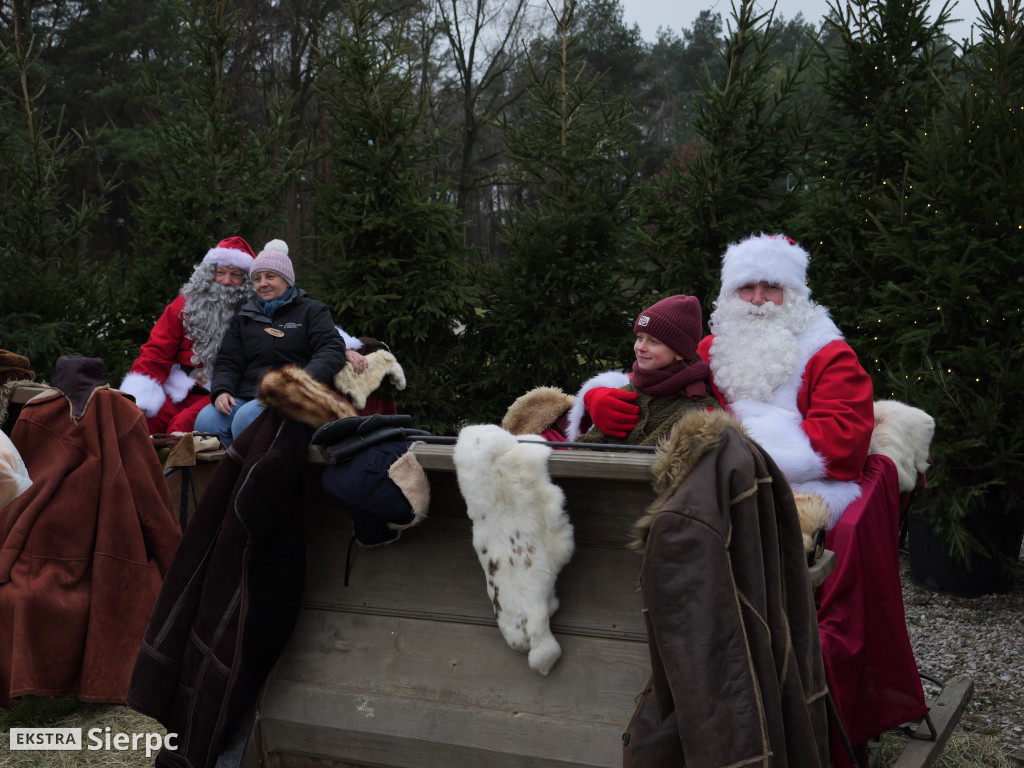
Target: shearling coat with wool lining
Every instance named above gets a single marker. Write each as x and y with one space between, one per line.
84 550
737 675
231 596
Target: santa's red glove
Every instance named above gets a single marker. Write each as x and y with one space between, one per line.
612 410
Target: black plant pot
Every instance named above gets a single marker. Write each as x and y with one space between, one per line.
933 568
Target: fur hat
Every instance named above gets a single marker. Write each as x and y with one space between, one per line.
14 367
675 321
537 410
230 252
772 258
274 258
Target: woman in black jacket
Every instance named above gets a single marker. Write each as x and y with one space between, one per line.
281 326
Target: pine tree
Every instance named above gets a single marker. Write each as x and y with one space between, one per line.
881 66
216 171
947 326
56 300
561 306
394 269
735 178
95 64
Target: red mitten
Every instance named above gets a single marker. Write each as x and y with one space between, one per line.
612 410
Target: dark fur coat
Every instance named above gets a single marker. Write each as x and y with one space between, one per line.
230 600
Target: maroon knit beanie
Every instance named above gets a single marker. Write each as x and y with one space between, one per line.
675 321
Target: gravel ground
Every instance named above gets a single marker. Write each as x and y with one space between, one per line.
982 637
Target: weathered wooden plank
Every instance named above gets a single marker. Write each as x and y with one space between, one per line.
945 712
602 511
462 664
399 692
440 576
382 731
611 465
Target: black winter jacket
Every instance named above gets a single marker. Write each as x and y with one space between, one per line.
300 333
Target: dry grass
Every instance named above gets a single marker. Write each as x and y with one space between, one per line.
963 750
68 712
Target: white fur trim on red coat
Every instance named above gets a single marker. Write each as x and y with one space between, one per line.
613 379
778 431
351 342
148 392
838 494
521 534
178 384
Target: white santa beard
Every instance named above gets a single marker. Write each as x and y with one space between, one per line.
756 349
209 308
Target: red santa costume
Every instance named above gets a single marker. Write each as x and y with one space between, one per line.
786 373
788 376
167 377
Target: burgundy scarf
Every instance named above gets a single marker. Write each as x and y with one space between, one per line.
681 377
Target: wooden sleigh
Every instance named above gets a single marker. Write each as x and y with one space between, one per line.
397 662
404 666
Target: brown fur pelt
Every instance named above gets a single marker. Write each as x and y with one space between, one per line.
693 436
359 386
7 392
295 394
813 513
537 410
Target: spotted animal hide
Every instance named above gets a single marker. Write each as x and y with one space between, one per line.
521 533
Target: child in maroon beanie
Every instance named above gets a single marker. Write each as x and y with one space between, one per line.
668 379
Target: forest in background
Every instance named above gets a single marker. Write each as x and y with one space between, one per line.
495 187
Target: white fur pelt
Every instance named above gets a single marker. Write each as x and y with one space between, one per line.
521 533
359 386
904 434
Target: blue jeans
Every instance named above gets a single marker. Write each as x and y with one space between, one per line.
212 422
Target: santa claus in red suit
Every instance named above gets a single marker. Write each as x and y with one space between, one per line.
782 367
167 379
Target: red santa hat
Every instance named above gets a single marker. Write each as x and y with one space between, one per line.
231 252
771 258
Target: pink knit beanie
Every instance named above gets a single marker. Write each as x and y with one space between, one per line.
274 258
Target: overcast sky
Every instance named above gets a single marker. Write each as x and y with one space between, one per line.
650 14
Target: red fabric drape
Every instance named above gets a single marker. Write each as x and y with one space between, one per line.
869 662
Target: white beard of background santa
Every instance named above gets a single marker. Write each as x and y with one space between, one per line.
209 307
759 357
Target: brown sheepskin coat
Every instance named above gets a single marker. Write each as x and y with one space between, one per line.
83 551
738 678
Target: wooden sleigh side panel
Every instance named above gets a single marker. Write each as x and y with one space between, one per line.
405 667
